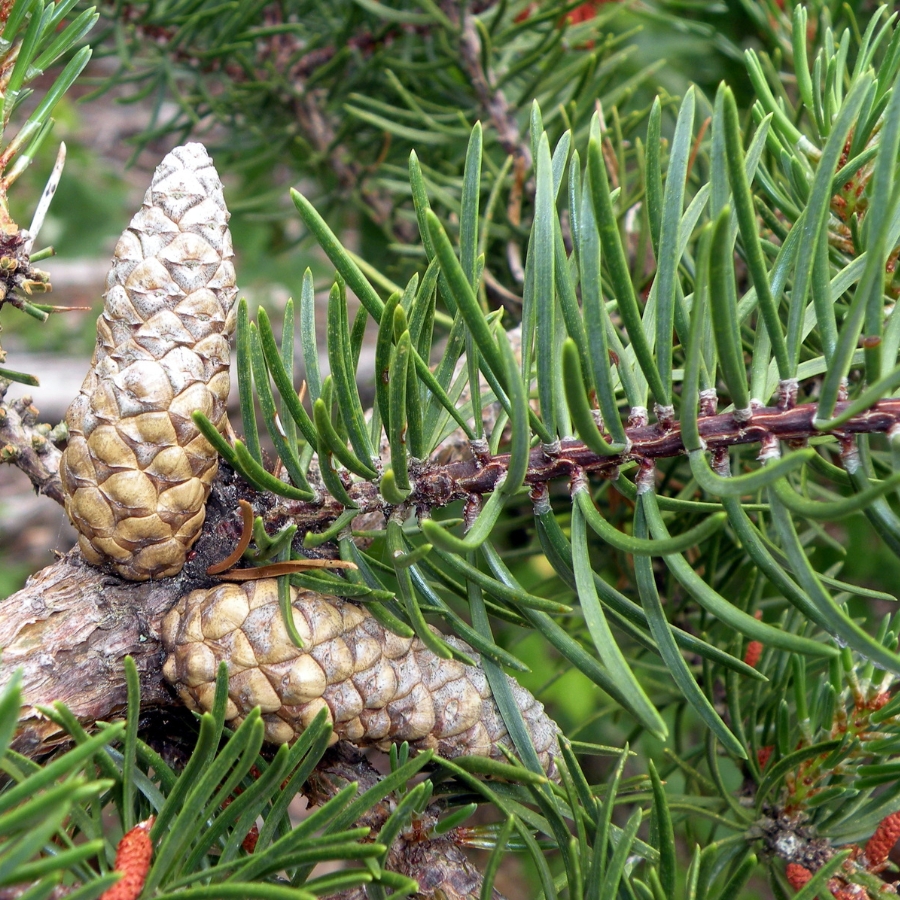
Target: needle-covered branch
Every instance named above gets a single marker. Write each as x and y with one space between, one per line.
438 484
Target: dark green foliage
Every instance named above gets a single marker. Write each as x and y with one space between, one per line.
700 328
344 91
729 264
60 822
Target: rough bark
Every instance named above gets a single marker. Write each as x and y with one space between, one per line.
72 625
69 630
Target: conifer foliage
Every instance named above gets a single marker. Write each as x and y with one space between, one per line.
641 464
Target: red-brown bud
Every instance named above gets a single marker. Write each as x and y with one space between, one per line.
844 891
133 857
879 700
797 875
753 653
249 842
882 842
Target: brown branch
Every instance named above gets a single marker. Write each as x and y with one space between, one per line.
437 484
491 98
69 630
71 626
28 445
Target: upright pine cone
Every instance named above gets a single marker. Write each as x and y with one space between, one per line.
136 471
378 688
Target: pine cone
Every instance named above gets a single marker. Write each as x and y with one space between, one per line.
136 471
378 688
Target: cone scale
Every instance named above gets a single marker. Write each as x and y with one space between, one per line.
137 472
379 689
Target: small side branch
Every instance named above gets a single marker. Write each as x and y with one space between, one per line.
29 445
491 99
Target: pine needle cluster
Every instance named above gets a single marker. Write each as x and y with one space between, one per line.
638 380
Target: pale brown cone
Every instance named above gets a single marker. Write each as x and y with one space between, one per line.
136 471
378 688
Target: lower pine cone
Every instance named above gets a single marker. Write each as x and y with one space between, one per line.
379 689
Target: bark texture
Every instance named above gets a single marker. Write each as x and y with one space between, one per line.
69 630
